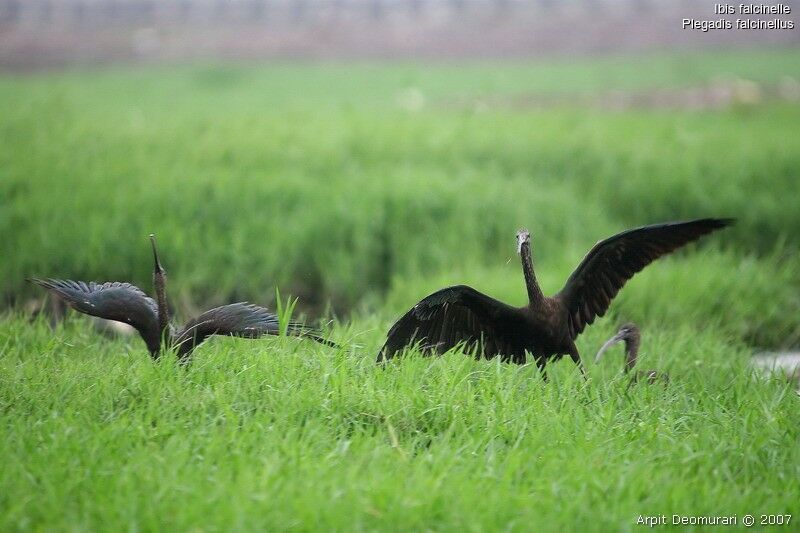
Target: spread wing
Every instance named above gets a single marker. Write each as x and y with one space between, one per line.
239 320
122 302
453 316
612 262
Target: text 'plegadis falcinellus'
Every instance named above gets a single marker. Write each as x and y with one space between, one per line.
629 333
124 302
547 326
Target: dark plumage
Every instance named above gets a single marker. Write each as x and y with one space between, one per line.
127 303
547 326
629 333
122 302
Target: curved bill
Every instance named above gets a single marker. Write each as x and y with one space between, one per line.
609 343
156 262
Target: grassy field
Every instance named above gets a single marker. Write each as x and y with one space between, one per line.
359 189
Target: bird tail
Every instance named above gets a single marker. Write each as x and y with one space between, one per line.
300 330
317 338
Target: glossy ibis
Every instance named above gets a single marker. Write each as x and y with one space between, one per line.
127 303
629 333
546 327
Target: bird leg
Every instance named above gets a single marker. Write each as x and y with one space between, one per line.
576 358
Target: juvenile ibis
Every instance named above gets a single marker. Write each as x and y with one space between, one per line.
629 334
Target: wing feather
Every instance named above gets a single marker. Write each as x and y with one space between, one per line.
452 316
612 262
240 319
113 300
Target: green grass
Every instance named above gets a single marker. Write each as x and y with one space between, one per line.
321 181
282 434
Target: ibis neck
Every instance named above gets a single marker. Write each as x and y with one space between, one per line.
535 296
631 353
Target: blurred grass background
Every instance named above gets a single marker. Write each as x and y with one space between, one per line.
363 186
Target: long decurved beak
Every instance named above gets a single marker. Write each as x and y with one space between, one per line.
609 343
523 237
156 263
